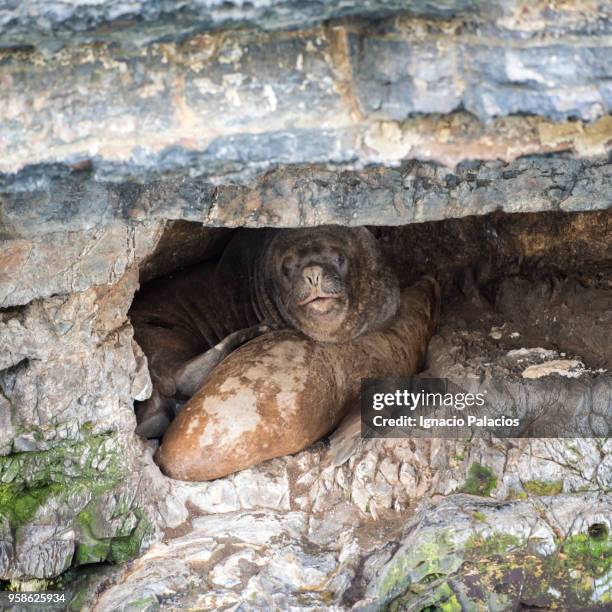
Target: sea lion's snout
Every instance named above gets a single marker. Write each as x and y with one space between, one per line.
312 275
321 289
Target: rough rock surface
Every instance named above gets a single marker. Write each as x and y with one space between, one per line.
70 262
116 117
287 534
70 372
73 485
230 105
44 23
405 522
291 197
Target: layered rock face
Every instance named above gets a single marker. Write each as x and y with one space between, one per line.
122 122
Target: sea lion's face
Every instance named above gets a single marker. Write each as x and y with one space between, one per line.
313 281
331 283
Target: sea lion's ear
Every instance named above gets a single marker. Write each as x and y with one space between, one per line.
374 230
368 237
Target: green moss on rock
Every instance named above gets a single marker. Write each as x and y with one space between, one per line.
479 516
495 544
588 554
144 604
29 479
417 569
442 599
77 475
480 481
565 579
117 549
543 487
501 571
20 506
91 552
124 548
516 494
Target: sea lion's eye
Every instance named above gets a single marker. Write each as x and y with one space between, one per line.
340 260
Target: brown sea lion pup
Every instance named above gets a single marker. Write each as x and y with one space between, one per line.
330 283
283 391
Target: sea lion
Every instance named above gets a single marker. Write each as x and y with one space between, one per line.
330 283
283 391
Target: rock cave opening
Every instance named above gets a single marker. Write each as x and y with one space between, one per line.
524 295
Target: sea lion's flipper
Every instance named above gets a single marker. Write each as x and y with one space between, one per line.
194 373
154 415
344 442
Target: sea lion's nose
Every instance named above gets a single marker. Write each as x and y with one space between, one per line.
312 275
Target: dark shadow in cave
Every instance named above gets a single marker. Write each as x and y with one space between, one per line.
509 281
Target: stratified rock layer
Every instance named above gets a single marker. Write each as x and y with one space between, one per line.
315 195
227 106
121 121
52 23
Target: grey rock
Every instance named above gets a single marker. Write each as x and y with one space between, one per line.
71 468
440 542
70 262
398 75
43 551
226 107
553 406
394 78
414 192
541 79
55 23
142 386
121 121
342 560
